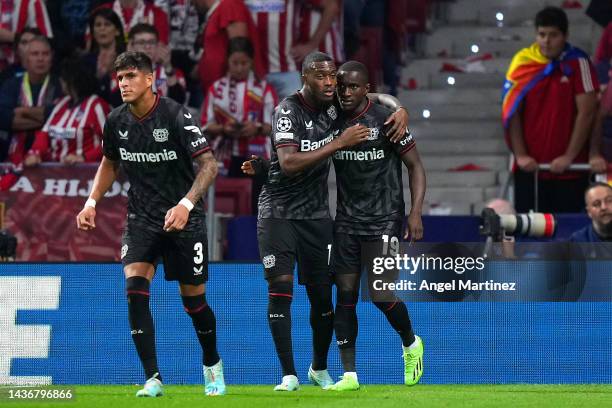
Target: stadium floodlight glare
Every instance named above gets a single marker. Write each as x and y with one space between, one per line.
426 113
475 48
499 16
450 80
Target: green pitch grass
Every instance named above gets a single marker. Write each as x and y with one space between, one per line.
370 396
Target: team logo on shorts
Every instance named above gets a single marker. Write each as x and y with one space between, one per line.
373 134
269 261
332 112
283 124
124 250
160 135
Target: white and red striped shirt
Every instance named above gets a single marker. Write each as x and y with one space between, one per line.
15 15
73 129
310 17
276 22
241 101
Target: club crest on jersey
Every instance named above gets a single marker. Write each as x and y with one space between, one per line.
373 134
160 135
123 135
332 112
283 124
269 261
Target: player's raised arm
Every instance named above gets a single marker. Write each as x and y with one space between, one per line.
105 177
399 117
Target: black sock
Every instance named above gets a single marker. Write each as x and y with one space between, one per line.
397 315
280 295
141 323
322 323
205 326
345 326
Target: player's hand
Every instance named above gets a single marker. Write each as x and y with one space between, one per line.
399 118
249 129
73 159
598 164
526 163
353 136
560 164
32 160
176 218
86 218
414 229
163 56
248 167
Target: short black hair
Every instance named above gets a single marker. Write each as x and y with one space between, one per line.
315 56
133 59
595 185
552 17
355 66
79 77
240 44
143 28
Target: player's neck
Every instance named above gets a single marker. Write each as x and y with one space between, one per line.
310 99
354 112
143 105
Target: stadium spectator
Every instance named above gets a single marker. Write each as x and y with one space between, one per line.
25 103
168 81
237 113
15 16
225 19
185 23
132 12
69 22
21 42
107 42
277 23
73 132
548 109
598 200
320 27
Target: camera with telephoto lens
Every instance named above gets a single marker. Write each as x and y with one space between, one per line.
533 224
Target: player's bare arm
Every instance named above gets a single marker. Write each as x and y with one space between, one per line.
417 180
399 117
177 216
293 162
105 177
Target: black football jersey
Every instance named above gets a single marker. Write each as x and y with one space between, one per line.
156 152
369 177
304 195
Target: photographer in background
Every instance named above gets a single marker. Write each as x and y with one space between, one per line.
598 200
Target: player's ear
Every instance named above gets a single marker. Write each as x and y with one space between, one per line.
149 78
367 88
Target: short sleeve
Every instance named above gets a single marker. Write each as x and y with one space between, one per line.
286 127
109 144
190 134
585 80
405 144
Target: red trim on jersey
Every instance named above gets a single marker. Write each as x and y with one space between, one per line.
137 292
305 103
199 152
286 144
280 294
360 114
149 112
409 148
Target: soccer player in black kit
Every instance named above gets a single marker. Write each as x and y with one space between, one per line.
155 141
293 220
370 209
